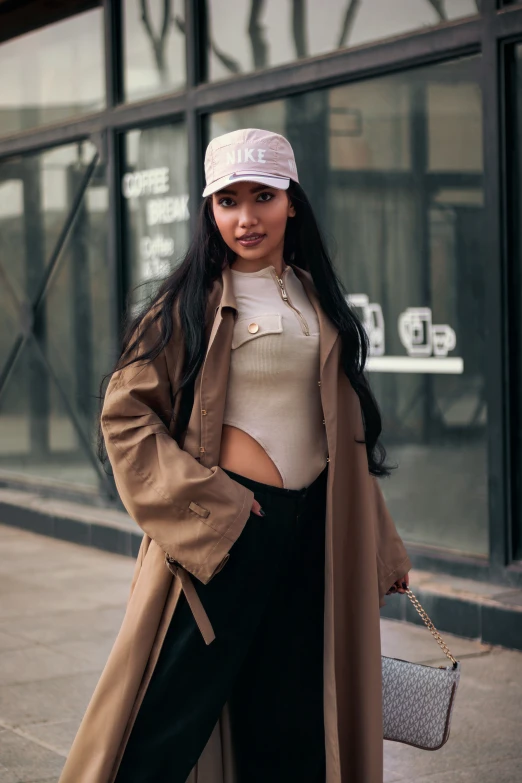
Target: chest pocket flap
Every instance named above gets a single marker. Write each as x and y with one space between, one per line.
253 326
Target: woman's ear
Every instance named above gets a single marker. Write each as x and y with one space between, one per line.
291 209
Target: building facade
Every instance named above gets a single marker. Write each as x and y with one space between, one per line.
404 118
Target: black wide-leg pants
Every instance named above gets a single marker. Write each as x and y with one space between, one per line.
267 610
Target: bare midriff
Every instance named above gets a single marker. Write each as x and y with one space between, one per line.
242 454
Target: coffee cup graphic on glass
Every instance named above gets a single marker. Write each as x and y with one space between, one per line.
444 339
415 331
372 319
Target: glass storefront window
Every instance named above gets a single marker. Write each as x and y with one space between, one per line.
396 180
53 74
155 193
262 35
49 406
153 48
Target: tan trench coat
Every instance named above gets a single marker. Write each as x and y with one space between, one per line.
191 509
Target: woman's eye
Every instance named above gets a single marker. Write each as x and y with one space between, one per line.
269 196
221 201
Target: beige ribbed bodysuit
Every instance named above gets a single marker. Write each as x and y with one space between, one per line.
273 392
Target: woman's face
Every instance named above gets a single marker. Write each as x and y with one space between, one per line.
252 220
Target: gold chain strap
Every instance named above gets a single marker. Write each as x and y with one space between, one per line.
416 603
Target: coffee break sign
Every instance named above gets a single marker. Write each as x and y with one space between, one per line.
160 210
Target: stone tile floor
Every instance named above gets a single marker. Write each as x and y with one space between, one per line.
60 609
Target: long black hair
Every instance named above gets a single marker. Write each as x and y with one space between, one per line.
189 284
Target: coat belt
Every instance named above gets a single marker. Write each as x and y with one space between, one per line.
193 600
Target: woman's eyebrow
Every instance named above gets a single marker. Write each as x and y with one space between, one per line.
255 189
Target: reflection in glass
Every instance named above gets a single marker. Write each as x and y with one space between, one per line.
154 47
48 403
52 74
396 180
155 192
259 35
37 435
36 194
8 319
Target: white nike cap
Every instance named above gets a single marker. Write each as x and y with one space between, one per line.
249 155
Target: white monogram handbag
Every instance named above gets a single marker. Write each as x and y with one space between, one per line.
418 699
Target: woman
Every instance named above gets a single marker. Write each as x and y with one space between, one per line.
244 441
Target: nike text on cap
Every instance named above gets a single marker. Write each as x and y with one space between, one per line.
249 155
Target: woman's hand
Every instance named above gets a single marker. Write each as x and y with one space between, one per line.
256 508
400 585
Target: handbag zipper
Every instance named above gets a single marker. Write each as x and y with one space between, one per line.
286 298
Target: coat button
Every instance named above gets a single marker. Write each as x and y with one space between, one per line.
201 448
253 328
328 459
324 421
203 412
318 383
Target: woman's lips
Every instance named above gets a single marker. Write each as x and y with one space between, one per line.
251 240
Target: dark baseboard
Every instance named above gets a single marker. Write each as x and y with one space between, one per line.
110 538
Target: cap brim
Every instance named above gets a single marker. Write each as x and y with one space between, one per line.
282 183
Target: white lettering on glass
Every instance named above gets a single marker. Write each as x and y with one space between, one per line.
156 247
154 267
149 182
171 209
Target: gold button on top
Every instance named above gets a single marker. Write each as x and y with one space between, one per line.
253 328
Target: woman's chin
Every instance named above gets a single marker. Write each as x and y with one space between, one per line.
255 253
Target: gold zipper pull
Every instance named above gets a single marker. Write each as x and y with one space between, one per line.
284 295
281 285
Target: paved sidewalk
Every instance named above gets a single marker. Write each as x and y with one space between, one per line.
60 609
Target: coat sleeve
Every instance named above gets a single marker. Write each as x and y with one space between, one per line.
192 512
392 558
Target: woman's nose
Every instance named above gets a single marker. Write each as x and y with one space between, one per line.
247 218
